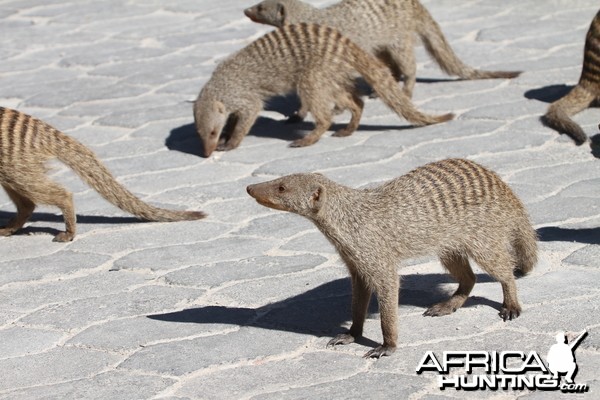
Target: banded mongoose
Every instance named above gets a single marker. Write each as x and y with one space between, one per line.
27 143
455 209
383 27
583 94
317 62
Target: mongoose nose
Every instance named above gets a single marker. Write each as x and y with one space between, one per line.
249 189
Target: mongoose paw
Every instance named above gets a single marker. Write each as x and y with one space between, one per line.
342 338
305 141
6 231
439 309
226 146
342 133
380 351
509 313
63 237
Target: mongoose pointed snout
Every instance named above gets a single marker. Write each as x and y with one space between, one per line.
249 12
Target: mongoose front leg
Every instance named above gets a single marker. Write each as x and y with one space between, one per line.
25 208
387 294
245 120
361 296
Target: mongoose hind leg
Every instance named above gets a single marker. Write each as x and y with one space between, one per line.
41 190
500 265
403 55
322 122
25 208
354 103
361 296
459 268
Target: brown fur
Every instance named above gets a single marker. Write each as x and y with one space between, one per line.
583 94
384 28
453 208
317 62
27 143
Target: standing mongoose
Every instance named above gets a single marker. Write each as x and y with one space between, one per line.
455 209
385 28
26 143
583 94
317 62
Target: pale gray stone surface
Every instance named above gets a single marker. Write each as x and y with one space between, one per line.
242 304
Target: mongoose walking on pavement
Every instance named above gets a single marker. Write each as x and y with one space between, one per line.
26 143
453 208
386 28
315 61
583 94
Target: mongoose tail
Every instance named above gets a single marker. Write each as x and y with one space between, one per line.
455 209
582 95
558 116
27 143
382 81
438 47
87 166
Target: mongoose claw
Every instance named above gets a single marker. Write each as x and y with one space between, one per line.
509 313
342 338
63 237
380 351
437 310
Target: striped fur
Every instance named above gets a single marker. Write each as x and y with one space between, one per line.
583 94
27 143
383 27
455 209
315 61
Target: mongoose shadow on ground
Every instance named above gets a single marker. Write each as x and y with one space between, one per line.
186 140
58 218
548 94
557 234
323 310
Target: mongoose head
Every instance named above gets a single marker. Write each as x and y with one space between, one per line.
270 12
303 194
210 116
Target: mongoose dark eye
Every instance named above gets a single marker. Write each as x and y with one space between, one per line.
259 8
213 133
281 188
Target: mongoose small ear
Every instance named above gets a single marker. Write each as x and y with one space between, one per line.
317 199
281 14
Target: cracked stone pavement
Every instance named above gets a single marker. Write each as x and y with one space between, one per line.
241 304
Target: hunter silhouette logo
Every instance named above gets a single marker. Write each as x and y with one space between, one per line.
561 357
514 370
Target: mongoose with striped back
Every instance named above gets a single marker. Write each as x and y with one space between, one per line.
27 143
383 27
583 94
455 209
315 61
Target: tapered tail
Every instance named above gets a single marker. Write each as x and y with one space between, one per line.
438 47
525 246
382 81
558 115
94 173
